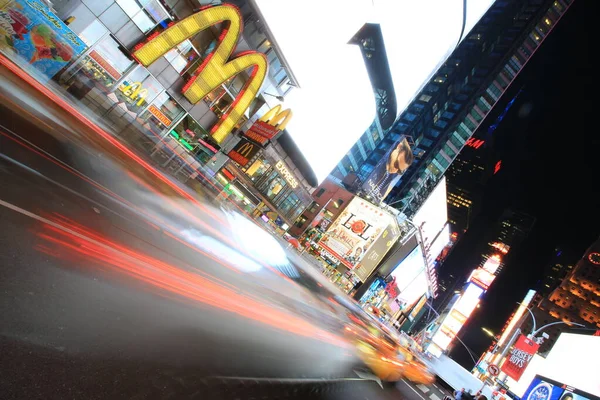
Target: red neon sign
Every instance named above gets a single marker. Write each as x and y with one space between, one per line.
474 143
497 167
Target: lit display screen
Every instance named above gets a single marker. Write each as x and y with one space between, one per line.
415 290
469 300
433 214
409 269
441 241
352 109
560 363
492 263
441 339
482 278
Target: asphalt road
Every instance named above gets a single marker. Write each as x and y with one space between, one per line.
114 285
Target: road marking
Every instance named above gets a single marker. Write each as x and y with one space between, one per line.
423 388
412 388
434 396
434 385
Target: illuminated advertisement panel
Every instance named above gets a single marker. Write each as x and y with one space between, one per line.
548 389
409 269
218 67
441 339
377 251
441 241
412 292
492 263
469 300
353 233
433 214
454 322
388 170
481 278
450 22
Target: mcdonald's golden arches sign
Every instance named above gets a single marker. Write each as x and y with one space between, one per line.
218 67
243 152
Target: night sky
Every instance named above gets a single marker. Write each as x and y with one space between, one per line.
549 170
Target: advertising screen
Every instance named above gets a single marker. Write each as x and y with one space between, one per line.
28 28
441 339
440 242
433 214
379 249
492 263
574 360
469 300
416 289
408 271
353 108
388 170
353 233
523 351
542 388
481 278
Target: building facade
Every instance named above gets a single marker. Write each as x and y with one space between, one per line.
576 299
145 103
450 108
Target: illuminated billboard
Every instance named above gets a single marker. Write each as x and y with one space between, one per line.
355 231
469 300
376 252
388 170
409 269
492 263
441 339
441 241
448 22
482 278
433 214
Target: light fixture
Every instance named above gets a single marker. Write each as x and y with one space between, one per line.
280 98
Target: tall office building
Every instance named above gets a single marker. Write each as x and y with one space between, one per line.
445 114
576 299
466 178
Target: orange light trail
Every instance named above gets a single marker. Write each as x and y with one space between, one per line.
173 280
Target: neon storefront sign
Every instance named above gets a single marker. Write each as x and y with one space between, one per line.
218 67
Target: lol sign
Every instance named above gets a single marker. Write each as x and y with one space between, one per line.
218 67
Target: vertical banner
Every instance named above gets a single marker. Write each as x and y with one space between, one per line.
519 358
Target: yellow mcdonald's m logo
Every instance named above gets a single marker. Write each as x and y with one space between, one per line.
277 118
218 67
246 149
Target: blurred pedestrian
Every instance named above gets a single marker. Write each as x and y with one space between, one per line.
458 394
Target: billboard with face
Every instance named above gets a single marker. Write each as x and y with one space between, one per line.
355 231
388 170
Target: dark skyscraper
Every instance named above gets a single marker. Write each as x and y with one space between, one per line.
466 180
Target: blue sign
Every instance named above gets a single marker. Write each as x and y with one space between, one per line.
29 29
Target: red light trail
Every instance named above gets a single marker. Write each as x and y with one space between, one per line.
62 238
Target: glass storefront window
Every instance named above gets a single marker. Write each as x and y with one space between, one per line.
258 169
146 14
289 203
161 113
93 33
138 90
182 56
103 66
194 138
275 186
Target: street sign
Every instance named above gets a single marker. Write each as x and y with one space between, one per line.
493 370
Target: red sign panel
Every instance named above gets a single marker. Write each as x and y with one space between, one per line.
264 129
104 64
522 353
255 137
159 115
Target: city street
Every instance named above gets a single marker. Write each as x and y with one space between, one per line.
114 285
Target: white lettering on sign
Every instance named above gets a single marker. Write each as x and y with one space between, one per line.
287 175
